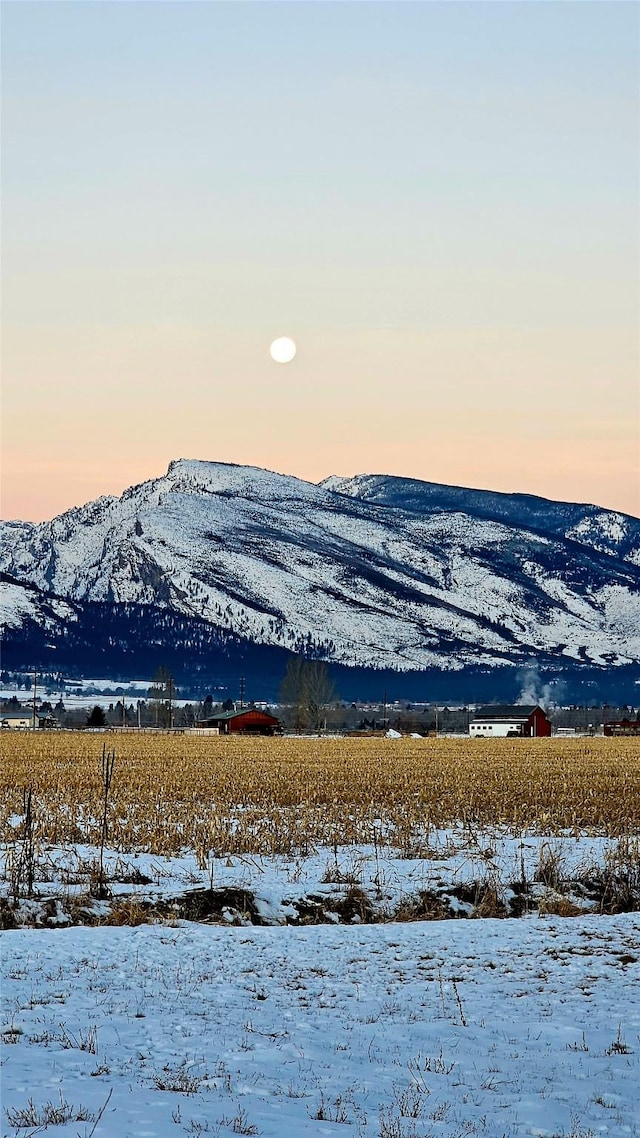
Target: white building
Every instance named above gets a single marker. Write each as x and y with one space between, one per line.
22 721
502 729
508 721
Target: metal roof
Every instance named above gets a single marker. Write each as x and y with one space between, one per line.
508 711
218 715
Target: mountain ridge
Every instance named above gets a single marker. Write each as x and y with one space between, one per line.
372 571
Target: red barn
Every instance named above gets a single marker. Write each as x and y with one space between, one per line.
519 721
622 727
247 721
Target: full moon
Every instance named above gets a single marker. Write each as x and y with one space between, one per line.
282 350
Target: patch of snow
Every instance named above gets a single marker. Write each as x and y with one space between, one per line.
16 605
491 1029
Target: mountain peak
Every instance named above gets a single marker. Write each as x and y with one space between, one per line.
371 571
229 477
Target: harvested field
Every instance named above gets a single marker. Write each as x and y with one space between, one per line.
284 796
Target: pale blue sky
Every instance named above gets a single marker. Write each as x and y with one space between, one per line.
439 201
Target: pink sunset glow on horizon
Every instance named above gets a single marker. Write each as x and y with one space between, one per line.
42 493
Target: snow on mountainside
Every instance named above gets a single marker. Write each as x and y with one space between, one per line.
607 531
21 603
372 571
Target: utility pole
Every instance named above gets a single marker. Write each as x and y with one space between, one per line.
170 686
35 689
241 692
436 721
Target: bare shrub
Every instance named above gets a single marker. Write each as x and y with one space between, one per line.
549 870
106 767
32 1117
178 1080
621 877
489 899
22 860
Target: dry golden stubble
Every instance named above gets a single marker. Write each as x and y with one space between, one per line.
287 795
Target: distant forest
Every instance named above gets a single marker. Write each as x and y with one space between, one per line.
129 641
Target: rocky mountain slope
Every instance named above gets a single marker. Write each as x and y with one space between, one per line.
372 571
606 531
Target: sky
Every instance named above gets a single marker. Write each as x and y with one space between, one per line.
437 201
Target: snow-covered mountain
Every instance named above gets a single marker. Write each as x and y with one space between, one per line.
25 604
371 571
607 531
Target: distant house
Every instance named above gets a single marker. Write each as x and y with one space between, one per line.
23 721
18 721
509 721
48 722
622 727
247 721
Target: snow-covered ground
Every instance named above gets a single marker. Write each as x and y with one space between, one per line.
457 866
413 1029
454 1029
85 694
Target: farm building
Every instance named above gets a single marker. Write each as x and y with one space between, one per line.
247 721
510 721
23 721
622 727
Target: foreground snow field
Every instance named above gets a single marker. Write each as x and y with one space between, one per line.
452 1028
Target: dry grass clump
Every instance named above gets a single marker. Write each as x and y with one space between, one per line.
282 796
132 912
553 905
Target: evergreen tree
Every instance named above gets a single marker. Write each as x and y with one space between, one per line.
96 717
